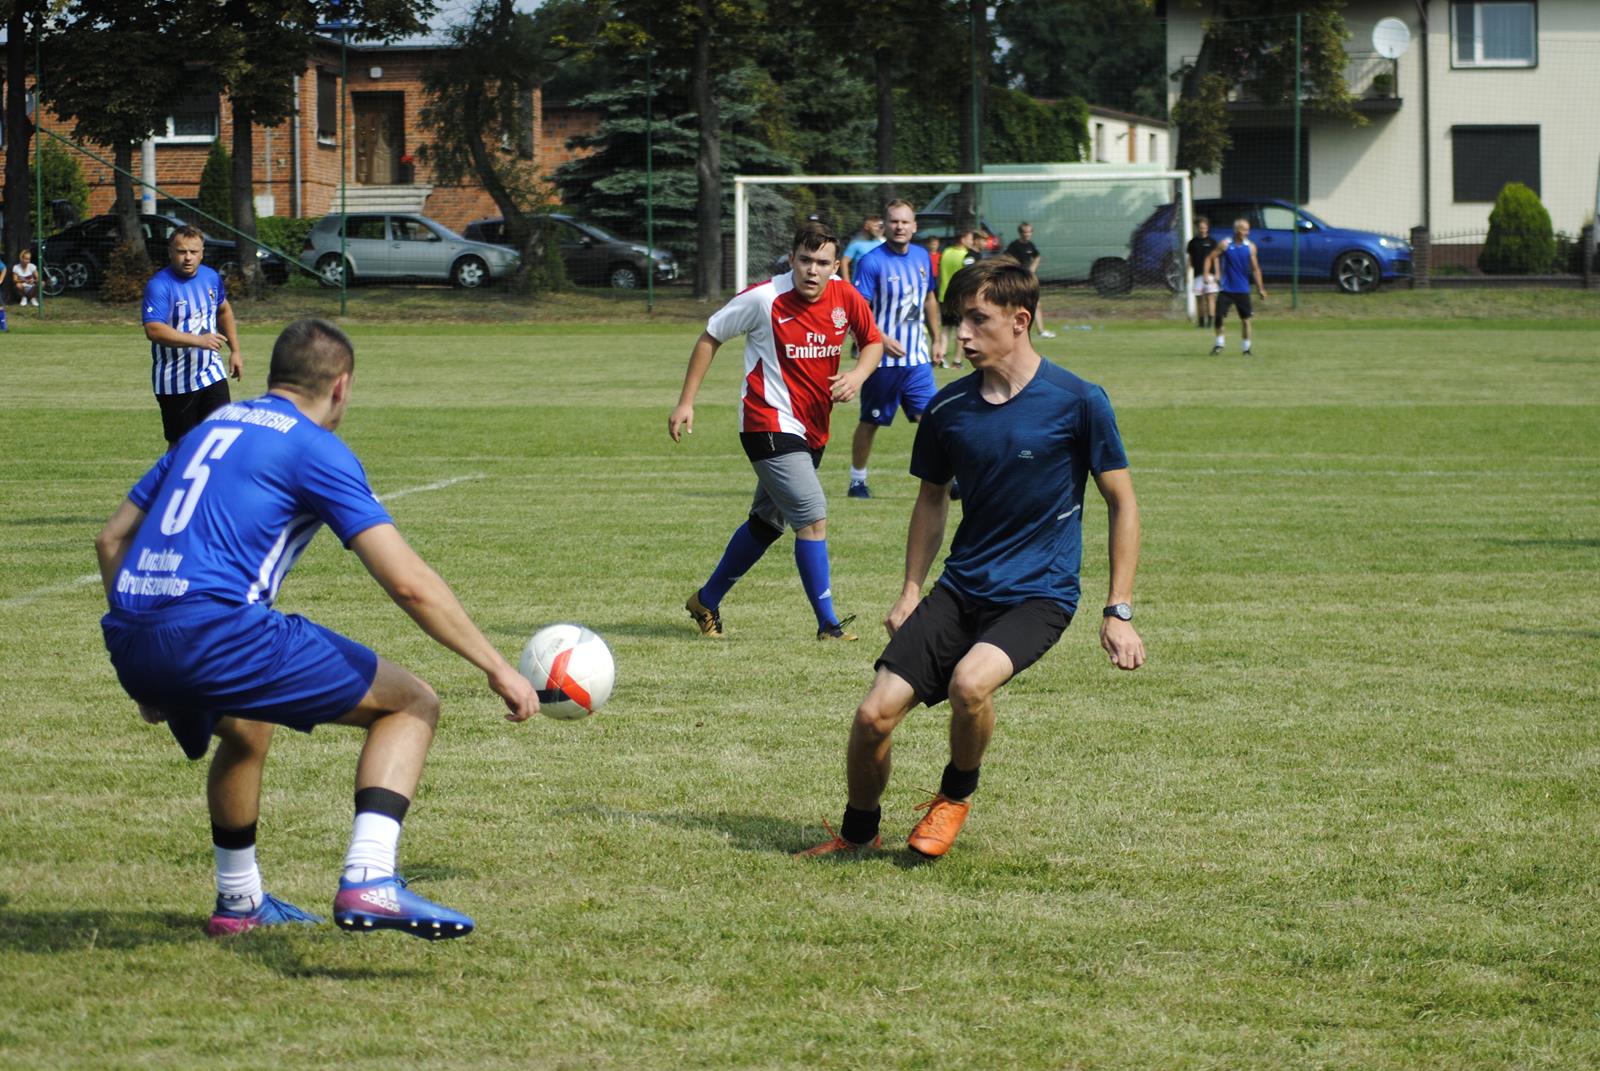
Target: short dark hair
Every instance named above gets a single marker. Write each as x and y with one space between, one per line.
812 236
186 231
1001 280
309 355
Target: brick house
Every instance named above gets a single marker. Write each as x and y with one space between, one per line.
297 162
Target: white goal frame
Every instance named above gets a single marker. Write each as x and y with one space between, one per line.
741 203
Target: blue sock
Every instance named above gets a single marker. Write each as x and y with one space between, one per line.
744 550
811 558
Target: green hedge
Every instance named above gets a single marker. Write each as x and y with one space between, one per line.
285 232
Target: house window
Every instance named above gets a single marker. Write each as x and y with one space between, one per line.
1099 143
194 119
1493 33
1153 158
327 108
1261 164
1485 158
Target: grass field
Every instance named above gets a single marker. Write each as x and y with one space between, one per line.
1348 816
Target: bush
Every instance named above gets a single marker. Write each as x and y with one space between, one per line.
286 233
1520 240
216 189
61 178
126 275
1569 253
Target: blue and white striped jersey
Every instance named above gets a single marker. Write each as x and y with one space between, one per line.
896 287
189 305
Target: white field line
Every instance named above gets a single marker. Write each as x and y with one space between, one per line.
84 581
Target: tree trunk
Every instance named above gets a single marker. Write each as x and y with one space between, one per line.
971 123
244 196
19 192
883 65
708 167
126 206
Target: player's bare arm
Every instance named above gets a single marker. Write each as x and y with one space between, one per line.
424 595
846 385
1255 268
930 312
110 547
1214 256
1120 640
230 331
924 537
681 420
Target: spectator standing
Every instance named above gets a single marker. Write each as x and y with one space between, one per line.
958 256
25 276
1024 252
187 319
870 238
1202 279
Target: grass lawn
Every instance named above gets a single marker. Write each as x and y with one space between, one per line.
1348 815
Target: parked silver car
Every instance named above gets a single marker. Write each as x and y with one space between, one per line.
402 246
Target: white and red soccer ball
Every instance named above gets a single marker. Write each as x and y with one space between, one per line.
571 668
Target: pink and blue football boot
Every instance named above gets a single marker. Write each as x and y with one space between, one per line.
272 912
386 904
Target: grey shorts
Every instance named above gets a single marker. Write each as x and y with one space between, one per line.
788 491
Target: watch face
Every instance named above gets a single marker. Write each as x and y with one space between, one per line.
1120 610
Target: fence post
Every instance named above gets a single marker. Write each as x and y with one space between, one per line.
1421 258
1586 245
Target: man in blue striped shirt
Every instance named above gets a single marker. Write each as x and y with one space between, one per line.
187 319
897 280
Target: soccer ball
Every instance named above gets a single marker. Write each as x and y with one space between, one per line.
571 668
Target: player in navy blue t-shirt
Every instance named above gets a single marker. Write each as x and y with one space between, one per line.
192 562
1022 436
187 319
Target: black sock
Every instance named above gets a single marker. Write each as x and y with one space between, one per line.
382 801
233 839
958 784
860 827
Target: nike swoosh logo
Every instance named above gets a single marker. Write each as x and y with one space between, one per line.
784 319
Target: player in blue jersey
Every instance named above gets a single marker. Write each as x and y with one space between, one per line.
1237 258
897 280
1023 436
192 562
187 319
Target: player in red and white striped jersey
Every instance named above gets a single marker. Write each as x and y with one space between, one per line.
794 327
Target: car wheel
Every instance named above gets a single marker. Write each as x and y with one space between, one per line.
79 273
1357 272
1172 272
625 277
51 281
331 269
1111 276
469 273
227 268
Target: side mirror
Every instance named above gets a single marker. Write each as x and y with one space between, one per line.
1307 225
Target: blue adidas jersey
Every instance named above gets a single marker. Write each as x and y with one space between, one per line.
896 287
1235 273
231 508
188 305
1023 466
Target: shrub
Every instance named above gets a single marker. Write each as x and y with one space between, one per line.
1520 240
216 189
126 275
286 233
61 178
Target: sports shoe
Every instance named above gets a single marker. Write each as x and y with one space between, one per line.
938 828
837 630
858 489
838 847
709 621
272 912
386 904
1046 334
1215 350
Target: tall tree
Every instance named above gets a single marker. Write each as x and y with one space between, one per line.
1250 44
111 72
1109 52
19 127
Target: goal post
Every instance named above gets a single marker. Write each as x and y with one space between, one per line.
1117 230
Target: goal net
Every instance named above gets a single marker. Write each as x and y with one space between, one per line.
1116 232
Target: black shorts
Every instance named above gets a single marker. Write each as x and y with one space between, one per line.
945 626
180 413
1228 299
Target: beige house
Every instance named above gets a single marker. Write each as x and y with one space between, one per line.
1486 92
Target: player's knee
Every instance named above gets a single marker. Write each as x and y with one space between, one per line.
244 738
968 692
875 721
423 703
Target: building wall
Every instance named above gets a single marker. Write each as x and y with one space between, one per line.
1120 138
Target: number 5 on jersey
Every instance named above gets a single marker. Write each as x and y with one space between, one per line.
180 508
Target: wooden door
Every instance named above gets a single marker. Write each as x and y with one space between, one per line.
380 137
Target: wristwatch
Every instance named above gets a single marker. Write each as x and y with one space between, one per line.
1119 610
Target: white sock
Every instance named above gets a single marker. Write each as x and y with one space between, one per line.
238 878
1247 345
1221 341
374 843
858 475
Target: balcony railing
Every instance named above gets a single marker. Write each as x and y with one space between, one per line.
1373 80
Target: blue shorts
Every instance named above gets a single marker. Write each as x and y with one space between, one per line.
908 387
214 660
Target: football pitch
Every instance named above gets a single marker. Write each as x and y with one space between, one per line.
1347 816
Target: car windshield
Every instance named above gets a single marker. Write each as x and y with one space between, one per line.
597 231
445 232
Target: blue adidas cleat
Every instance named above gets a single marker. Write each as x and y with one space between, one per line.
272 912
386 904
858 489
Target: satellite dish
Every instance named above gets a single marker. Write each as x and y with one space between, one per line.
1390 38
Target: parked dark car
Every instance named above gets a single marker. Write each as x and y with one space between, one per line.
593 255
1355 261
78 255
942 225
